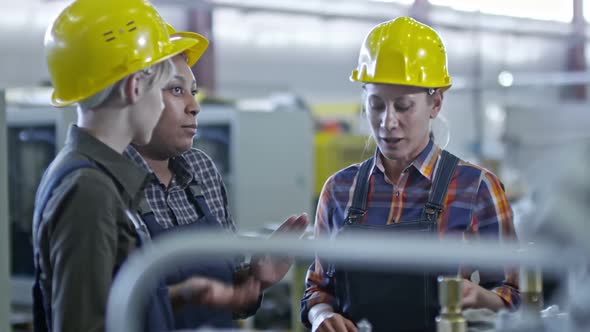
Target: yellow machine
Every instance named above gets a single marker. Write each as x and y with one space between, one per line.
336 143
335 151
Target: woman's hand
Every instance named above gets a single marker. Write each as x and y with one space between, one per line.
268 269
215 294
476 297
333 322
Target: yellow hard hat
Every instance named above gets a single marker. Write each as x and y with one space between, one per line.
194 53
403 51
95 43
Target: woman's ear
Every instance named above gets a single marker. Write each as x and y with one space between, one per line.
364 102
132 88
437 100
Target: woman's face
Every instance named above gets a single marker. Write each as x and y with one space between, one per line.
177 126
399 117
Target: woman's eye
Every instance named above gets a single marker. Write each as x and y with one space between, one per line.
376 104
402 107
177 91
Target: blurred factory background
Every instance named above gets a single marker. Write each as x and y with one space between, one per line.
274 86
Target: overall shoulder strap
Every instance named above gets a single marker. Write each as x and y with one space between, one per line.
359 201
41 303
56 178
442 179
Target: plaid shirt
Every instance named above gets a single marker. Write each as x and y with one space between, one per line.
475 206
171 205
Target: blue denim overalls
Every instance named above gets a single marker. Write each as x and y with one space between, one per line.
393 300
193 316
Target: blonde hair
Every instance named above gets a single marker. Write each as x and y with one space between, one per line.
114 95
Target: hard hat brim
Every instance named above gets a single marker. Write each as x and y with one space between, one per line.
354 77
178 44
193 53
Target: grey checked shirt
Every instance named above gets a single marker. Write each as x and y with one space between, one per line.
171 206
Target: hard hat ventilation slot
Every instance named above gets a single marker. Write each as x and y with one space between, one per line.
131 26
109 35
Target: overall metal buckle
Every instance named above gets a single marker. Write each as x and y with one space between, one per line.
354 215
432 209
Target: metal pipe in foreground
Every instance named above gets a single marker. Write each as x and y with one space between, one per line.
141 272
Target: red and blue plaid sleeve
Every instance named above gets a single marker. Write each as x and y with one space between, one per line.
319 287
492 218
